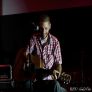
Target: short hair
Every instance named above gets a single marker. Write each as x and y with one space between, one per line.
44 18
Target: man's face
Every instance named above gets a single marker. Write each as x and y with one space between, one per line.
44 28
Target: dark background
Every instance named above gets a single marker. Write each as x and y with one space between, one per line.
71 26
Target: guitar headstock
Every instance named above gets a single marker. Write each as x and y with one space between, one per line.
65 78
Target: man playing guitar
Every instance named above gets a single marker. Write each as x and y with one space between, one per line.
43 60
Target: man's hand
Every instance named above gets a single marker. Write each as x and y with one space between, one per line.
56 71
55 74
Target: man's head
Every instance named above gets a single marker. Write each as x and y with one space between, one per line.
44 25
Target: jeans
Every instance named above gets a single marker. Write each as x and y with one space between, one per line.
41 86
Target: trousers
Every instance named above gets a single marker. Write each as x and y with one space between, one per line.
40 86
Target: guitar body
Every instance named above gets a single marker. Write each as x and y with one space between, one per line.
36 60
18 72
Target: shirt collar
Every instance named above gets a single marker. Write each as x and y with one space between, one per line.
48 40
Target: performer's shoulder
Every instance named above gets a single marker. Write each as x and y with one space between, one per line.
54 38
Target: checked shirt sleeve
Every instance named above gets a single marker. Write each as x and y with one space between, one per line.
57 53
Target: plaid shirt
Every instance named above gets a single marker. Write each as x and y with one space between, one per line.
50 53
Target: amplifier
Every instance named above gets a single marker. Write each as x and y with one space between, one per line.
5 76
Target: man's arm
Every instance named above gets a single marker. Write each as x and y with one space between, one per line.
58 61
59 69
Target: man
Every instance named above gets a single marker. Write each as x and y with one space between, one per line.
45 53
47 47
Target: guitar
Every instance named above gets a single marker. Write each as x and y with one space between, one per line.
64 77
18 73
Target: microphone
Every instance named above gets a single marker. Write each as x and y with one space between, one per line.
35 27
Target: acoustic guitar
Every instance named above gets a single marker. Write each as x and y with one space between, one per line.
39 64
18 73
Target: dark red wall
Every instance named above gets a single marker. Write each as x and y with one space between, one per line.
34 5
22 6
